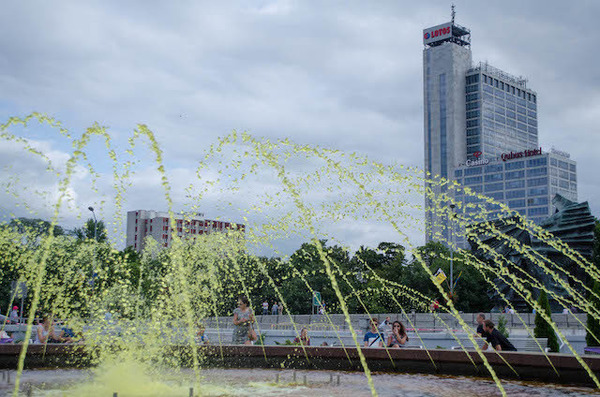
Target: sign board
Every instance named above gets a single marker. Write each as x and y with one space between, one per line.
478 160
475 163
560 152
437 33
440 276
316 298
518 155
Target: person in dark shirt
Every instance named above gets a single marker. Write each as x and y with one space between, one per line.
480 320
496 339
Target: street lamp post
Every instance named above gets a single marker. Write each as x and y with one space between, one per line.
95 223
452 206
96 239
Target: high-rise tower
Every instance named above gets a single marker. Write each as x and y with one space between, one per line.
446 59
481 130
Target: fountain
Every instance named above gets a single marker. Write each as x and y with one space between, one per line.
139 318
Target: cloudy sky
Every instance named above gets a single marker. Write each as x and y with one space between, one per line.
338 74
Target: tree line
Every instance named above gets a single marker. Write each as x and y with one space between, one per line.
382 279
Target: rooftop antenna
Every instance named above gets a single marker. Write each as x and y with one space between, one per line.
453 13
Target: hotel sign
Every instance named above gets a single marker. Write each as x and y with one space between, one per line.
437 33
518 155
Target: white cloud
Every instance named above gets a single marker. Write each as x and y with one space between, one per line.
336 74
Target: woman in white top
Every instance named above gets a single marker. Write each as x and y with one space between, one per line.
45 331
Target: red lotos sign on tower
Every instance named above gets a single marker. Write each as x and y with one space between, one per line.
436 33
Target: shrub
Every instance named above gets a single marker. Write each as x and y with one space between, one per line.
502 326
543 329
592 334
261 340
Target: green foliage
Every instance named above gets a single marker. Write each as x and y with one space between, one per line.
370 266
91 230
77 280
261 340
470 293
592 336
89 277
369 275
366 279
502 326
543 329
35 228
306 263
21 237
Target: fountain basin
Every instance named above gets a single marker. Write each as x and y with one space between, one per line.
527 366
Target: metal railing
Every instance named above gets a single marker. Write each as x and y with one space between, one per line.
494 71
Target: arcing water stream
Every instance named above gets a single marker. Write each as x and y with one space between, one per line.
137 312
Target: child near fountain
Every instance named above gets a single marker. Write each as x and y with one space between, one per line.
200 337
14 315
304 339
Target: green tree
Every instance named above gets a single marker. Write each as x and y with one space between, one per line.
592 336
35 227
387 260
90 230
470 292
370 267
543 329
29 232
435 256
307 262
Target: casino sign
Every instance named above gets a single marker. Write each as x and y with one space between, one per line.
477 161
474 163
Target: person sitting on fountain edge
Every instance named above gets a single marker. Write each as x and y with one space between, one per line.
200 337
304 339
398 336
480 320
46 332
374 338
495 338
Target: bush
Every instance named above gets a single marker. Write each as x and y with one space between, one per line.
543 329
261 340
502 326
593 325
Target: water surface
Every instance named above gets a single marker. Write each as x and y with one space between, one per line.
262 382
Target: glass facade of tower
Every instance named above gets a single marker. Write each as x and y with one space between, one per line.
501 113
526 185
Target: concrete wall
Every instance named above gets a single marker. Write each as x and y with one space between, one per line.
441 321
428 340
273 336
